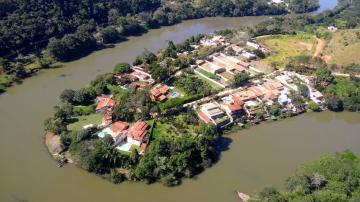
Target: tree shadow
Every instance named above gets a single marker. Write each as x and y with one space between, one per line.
222 145
72 120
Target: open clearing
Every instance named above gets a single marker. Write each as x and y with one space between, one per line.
285 46
85 120
343 48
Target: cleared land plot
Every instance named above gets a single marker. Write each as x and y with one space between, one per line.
85 120
285 46
343 48
212 84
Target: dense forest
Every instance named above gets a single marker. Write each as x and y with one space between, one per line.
28 25
34 34
329 178
345 16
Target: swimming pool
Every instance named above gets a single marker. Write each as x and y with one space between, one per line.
124 147
104 132
174 95
227 99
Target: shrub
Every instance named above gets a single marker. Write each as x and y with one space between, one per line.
313 106
122 68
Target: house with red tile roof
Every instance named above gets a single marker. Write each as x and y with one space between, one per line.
105 103
203 117
158 94
233 109
245 95
273 85
118 128
258 90
137 133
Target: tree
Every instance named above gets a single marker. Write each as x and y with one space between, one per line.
275 109
113 14
323 78
259 53
231 52
122 68
313 106
304 90
4 65
110 35
148 57
159 73
55 126
123 113
240 79
84 96
67 96
269 194
333 102
170 51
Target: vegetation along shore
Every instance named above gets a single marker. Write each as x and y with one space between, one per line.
160 118
29 41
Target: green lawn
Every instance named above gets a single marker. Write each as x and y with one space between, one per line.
285 46
162 130
208 74
85 120
212 84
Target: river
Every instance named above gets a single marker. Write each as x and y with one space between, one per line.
263 155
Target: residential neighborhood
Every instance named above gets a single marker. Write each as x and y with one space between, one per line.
251 103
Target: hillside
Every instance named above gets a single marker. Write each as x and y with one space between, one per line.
343 48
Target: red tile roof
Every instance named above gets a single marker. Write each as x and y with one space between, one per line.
245 95
234 107
244 64
162 98
258 91
271 96
238 101
203 117
273 85
164 89
105 102
159 93
138 130
119 127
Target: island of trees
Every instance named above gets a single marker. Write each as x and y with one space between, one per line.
35 34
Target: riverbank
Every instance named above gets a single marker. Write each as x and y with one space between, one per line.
25 69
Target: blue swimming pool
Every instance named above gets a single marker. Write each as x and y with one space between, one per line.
175 95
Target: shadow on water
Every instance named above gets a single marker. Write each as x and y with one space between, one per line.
222 145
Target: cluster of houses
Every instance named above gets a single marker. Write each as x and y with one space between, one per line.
220 68
136 78
124 135
251 102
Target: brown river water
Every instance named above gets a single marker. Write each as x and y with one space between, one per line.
263 155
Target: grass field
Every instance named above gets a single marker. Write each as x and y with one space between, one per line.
85 120
212 84
343 48
285 46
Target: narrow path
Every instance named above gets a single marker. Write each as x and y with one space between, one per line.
344 75
319 47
